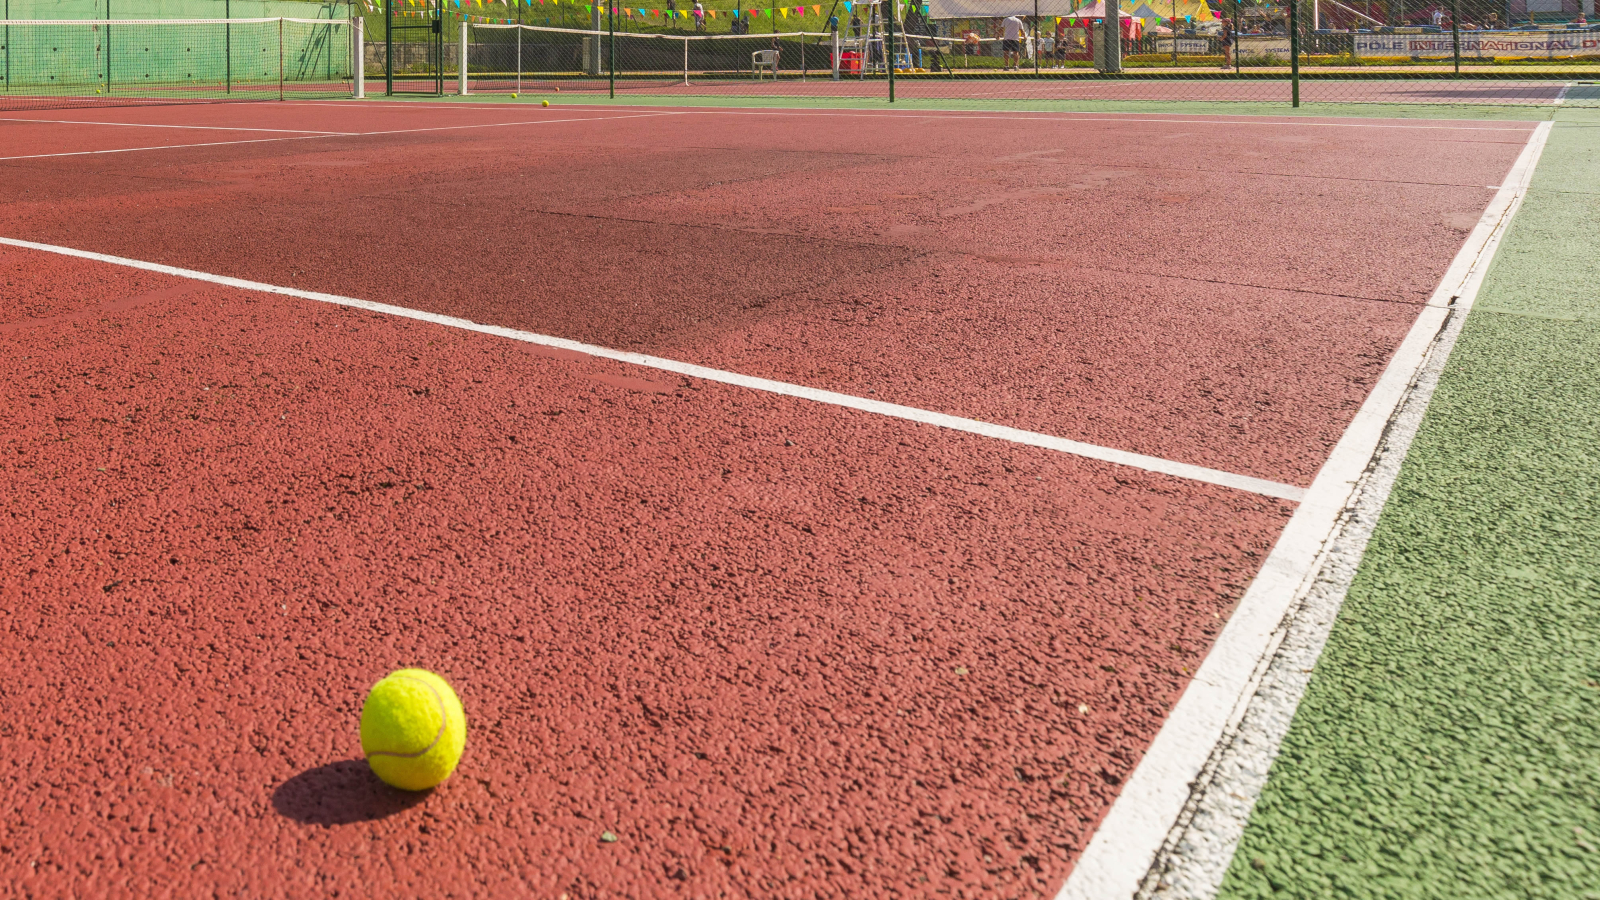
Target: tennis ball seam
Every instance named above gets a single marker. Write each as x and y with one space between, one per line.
444 723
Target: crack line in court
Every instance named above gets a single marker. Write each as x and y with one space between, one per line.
1112 455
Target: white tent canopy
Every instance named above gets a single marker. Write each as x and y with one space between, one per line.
995 9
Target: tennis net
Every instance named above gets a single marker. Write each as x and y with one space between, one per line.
65 63
510 57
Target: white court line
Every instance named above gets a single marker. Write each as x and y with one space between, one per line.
329 134
1124 847
189 127
505 124
303 137
1561 95
831 398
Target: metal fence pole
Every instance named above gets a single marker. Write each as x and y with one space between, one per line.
1294 51
280 59
1111 36
1036 37
519 50
108 47
227 46
611 48
685 62
889 50
1455 31
835 54
388 48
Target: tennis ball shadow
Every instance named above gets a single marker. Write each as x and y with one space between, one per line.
341 793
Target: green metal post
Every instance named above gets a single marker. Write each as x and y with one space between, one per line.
227 46
1455 31
388 47
888 52
108 48
1294 50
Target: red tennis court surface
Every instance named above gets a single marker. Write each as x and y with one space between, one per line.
778 647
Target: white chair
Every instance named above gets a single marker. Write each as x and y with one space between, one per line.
764 59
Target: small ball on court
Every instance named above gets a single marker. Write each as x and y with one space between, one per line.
413 729
544 102
513 96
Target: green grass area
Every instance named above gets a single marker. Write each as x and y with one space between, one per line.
1449 743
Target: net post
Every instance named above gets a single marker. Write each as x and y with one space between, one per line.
358 29
1455 32
1294 52
280 59
461 60
894 7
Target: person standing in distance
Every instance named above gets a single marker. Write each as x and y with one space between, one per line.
1011 42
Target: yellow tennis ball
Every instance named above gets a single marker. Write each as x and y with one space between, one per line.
513 96
545 102
413 729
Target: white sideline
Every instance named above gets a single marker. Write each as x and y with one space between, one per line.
185 127
315 135
877 407
1120 854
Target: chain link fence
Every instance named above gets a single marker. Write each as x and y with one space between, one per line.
1294 53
